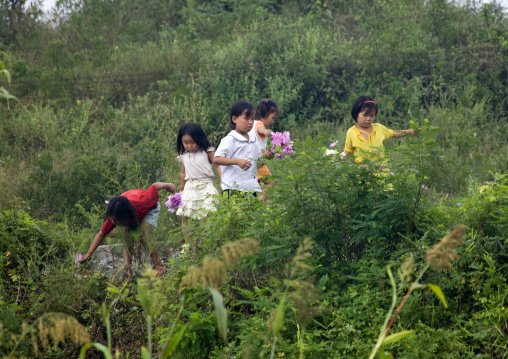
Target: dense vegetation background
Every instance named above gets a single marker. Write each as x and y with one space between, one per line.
102 89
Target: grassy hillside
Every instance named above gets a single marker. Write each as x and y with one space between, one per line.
101 92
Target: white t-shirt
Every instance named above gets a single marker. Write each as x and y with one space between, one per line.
235 145
197 165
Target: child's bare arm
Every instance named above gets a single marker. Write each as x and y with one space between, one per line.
224 161
182 178
211 156
170 187
99 237
263 131
403 133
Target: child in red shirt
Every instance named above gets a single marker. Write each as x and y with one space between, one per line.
133 208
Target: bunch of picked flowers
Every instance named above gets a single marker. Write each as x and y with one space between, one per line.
174 202
281 144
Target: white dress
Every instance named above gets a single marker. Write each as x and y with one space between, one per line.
199 193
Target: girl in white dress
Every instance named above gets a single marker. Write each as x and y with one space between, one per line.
196 156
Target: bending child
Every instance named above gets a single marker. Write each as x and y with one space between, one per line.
366 136
196 156
239 152
136 208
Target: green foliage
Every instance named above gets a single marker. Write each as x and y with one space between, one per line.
102 92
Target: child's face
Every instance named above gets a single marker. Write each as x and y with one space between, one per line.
189 144
365 118
243 123
270 119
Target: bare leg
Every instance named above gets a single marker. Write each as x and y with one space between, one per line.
157 261
127 261
264 195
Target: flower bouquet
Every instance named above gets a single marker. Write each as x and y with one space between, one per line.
174 202
281 144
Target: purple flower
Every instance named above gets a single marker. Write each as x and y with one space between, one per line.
285 138
364 165
78 258
392 173
174 202
460 204
287 149
284 141
333 144
106 201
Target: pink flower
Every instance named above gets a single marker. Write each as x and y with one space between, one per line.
333 144
106 201
174 202
364 165
281 143
285 138
78 258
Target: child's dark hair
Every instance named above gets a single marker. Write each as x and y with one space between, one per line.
361 103
196 132
123 211
238 108
265 108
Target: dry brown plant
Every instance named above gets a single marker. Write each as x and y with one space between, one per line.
443 253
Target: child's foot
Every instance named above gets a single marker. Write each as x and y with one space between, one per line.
160 270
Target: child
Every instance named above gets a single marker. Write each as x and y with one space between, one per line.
196 156
266 112
134 208
367 136
239 152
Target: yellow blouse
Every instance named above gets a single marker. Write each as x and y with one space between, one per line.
357 145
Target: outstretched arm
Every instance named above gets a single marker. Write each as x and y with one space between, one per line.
403 133
170 187
99 237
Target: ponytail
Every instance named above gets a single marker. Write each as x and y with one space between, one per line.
265 108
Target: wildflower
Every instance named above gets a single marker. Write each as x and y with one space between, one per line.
281 142
78 259
364 165
333 144
285 138
441 255
106 201
460 204
174 202
425 187
392 173
330 152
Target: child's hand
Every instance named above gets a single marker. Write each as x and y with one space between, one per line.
84 258
269 154
171 188
243 164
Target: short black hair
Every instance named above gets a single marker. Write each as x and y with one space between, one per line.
123 211
238 108
361 103
265 108
196 132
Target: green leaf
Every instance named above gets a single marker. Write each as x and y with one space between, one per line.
104 349
385 355
279 318
144 353
113 289
397 336
173 342
220 312
144 300
5 94
439 293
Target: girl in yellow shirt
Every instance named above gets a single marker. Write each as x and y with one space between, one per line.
365 139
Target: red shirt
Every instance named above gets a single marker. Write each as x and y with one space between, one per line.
143 201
